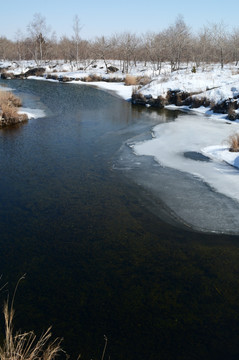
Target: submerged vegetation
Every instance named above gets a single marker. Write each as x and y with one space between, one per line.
9 106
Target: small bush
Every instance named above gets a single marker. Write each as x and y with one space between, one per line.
10 116
233 142
9 104
9 112
131 80
10 99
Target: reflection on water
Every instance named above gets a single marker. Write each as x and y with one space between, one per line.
97 262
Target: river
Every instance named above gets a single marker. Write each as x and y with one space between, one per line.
103 255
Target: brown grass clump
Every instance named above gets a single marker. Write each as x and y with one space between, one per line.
10 116
25 346
233 142
9 104
93 77
131 80
9 98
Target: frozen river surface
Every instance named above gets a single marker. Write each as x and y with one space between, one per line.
200 191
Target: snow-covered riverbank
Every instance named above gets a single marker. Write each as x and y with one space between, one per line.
205 133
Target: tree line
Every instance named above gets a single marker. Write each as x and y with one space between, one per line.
175 45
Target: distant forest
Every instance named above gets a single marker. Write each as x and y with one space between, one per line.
176 45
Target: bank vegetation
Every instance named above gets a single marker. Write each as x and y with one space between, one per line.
9 109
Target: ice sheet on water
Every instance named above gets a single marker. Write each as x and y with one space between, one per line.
32 113
5 88
193 134
202 194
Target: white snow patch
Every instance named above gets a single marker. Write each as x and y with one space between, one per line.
120 89
221 153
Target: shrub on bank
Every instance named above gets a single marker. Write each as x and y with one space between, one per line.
9 104
137 80
131 80
9 98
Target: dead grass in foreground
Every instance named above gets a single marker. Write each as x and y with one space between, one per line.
24 345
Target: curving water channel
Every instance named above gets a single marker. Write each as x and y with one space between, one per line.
105 250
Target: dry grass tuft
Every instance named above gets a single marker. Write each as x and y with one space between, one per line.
233 142
25 346
10 116
93 77
9 112
131 80
10 99
9 104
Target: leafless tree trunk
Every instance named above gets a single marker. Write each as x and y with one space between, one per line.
100 50
38 32
219 41
234 45
178 40
76 38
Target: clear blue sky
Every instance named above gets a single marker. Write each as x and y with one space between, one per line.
105 17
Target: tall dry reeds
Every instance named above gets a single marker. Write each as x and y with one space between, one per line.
24 345
233 142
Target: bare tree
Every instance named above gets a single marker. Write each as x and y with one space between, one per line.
178 40
234 45
155 49
219 38
100 49
38 31
76 37
7 49
20 45
202 47
128 46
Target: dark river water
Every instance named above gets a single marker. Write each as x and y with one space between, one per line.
102 256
